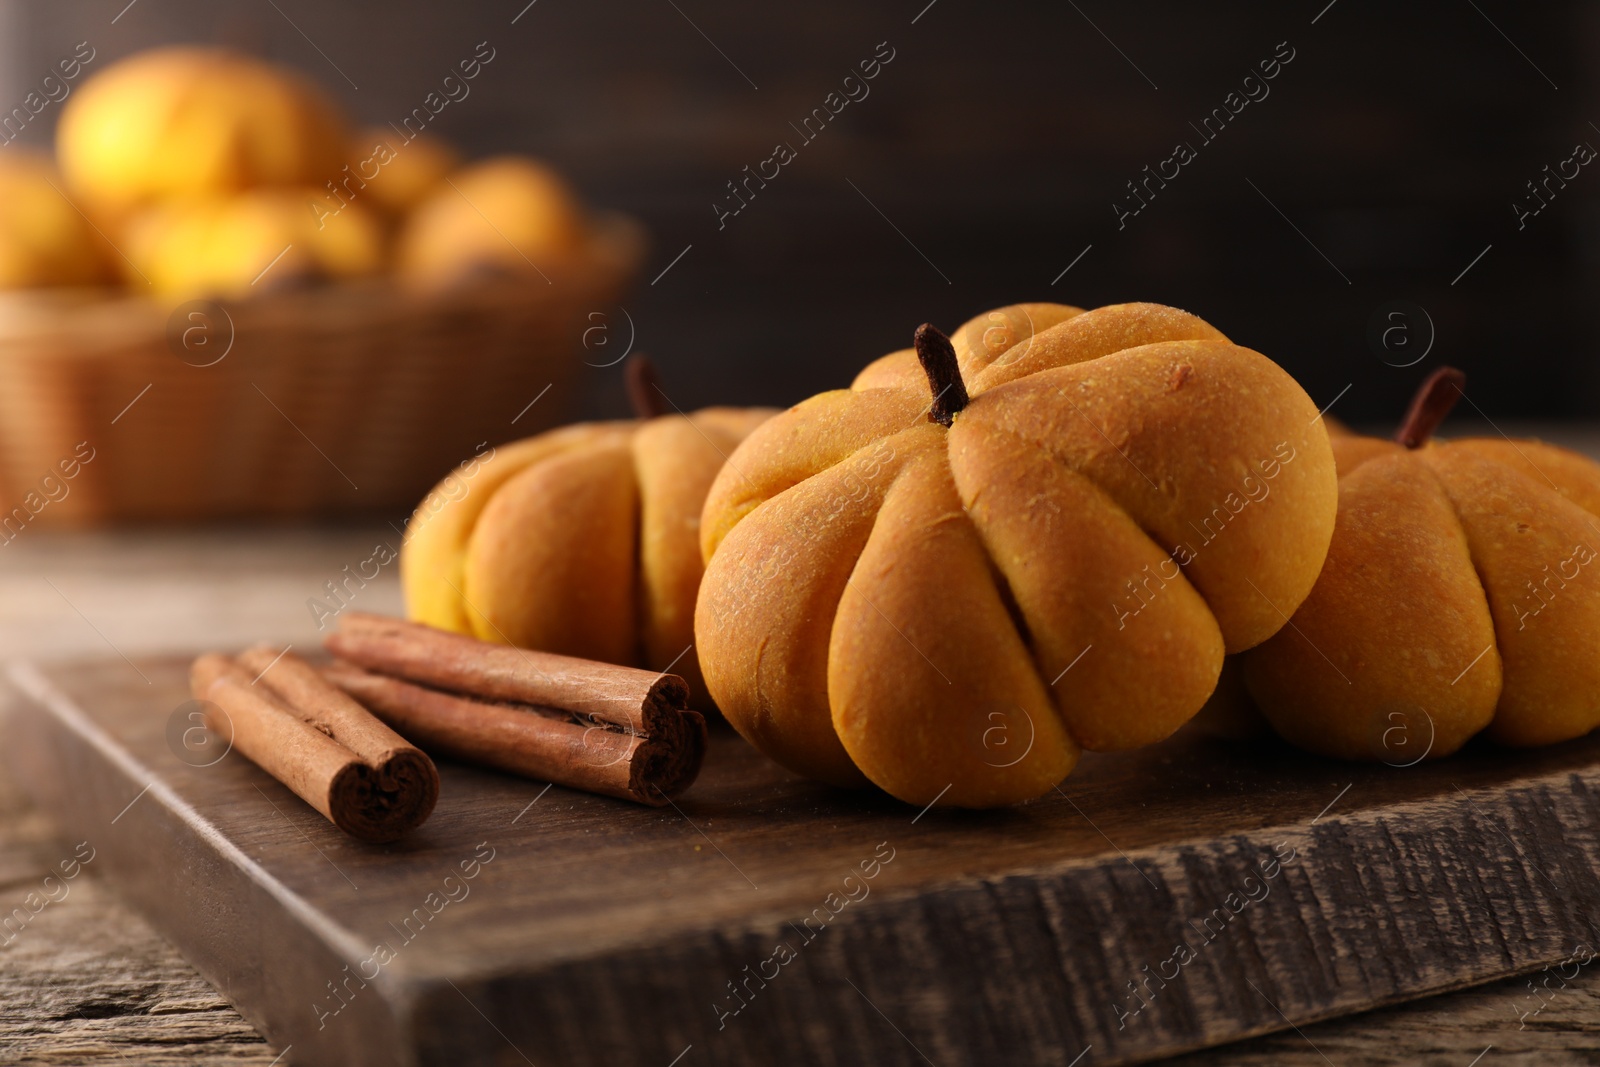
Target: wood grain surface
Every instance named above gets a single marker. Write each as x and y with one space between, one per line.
89 981
594 932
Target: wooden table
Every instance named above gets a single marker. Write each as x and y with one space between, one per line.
89 982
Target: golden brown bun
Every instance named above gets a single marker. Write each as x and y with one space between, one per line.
507 214
1455 599
43 239
582 541
404 171
953 612
252 242
187 121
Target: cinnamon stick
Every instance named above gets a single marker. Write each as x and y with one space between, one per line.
328 750
615 730
598 692
536 742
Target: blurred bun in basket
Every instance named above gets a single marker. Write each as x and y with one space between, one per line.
226 246
189 121
402 179
43 240
242 309
537 221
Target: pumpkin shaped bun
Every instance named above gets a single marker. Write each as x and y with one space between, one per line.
194 121
951 600
582 541
43 239
1461 594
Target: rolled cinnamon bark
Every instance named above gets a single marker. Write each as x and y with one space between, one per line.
599 693
615 730
536 742
314 739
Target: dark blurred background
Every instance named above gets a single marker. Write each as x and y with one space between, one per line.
987 157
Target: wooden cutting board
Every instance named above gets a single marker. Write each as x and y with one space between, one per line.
1190 894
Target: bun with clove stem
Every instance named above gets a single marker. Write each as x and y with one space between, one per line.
991 552
582 541
1460 595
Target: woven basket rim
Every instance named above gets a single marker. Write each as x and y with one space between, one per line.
82 322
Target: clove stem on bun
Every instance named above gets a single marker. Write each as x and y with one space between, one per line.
643 382
938 359
1429 407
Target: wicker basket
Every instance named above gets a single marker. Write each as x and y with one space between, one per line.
341 399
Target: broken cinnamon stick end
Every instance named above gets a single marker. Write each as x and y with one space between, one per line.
381 804
667 695
666 765
1433 401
